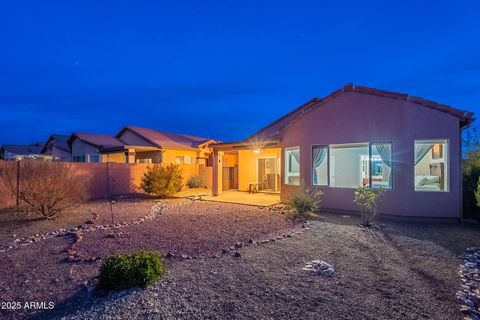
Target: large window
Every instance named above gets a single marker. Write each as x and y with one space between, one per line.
359 165
349 165
183 160
93 158
320 165
292 166
431 165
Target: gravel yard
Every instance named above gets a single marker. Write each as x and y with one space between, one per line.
198 229
39 271
401 271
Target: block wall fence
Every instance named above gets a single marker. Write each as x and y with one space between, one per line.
102 179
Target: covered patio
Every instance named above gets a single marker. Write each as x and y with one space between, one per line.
252 166
132 154
240 197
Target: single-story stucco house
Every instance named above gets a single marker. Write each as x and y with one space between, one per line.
85 147
140 145
57 147
22 151
357 136
156 146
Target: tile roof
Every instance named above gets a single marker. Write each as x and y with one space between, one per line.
272 130
60 141
166 140
96 139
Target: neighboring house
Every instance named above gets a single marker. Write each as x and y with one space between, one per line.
23 151
140 145
358 136
57 147
85 147
144 145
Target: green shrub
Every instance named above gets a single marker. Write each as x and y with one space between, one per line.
471 172
127 271
477 193
162 181
305 200
195 182
367 199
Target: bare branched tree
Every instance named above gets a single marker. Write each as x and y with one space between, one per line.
46 187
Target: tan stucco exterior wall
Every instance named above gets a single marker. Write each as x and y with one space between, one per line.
169 155
113 157
230 160
247 165
80 148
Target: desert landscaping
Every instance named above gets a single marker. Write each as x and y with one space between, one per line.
234 261
240 160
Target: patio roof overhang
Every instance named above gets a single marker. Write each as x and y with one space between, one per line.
245 145
119 149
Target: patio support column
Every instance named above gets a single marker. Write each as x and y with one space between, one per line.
217 186
130 156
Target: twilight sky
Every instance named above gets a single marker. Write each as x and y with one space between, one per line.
221 69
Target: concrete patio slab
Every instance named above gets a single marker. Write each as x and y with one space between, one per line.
240 197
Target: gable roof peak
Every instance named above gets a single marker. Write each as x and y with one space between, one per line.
166 139
272 130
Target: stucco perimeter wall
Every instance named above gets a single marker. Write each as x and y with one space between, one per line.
6 196
248 165
355 117
123 178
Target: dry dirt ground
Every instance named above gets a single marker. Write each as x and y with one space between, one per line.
402 271
40 272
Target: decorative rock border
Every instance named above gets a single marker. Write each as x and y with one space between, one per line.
77 232
280 208
470 294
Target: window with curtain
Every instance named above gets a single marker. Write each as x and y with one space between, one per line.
292 166
380 174
320 165
431 165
